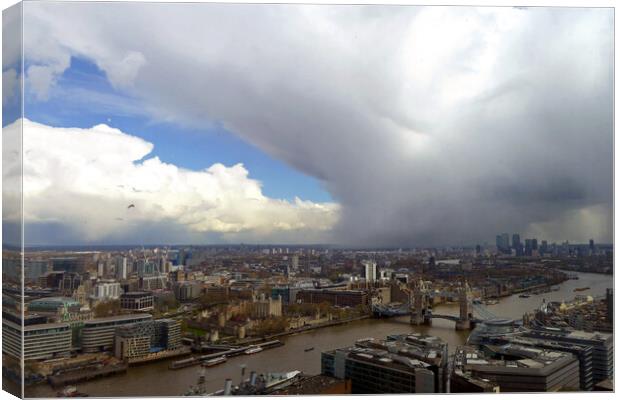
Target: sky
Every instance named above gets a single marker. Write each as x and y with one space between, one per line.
350 125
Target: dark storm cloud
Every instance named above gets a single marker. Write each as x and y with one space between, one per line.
427 125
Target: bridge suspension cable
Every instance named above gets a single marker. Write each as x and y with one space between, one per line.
483 311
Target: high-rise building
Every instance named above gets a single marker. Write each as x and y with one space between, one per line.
121 268
502 242
528 247
370 270
516 240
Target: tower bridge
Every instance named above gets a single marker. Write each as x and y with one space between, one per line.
420 311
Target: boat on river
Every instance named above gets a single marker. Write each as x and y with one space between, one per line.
253 350
214 361
581 289
70 391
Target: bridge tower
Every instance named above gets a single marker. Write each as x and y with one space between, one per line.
466 314
420 304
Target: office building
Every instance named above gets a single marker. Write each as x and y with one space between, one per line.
34 269
379 367
186 291
602 347
54 305
517 368
137 301
464 382
105 290
609 300
121 268
429 349
68 264
370 270
148 283
502 242
287 293
98 334
338 298
41 341
581 351
140 339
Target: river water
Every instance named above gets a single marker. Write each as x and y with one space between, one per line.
155 379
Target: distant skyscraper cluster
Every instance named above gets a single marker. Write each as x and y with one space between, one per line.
531 247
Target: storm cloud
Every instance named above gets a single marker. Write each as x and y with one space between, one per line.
428 125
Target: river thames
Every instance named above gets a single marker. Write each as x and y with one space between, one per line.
156 379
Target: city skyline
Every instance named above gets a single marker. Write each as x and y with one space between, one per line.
444 137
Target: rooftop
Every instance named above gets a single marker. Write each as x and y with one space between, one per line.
126 317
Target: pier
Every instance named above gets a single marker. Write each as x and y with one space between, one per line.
234 352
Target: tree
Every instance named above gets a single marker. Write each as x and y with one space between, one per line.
107 308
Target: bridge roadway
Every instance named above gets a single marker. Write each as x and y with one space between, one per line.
388 312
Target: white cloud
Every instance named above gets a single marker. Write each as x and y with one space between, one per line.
85 179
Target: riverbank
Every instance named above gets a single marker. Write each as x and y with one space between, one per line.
156 379
82 375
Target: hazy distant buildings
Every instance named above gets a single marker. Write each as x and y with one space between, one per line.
517 245
502 242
